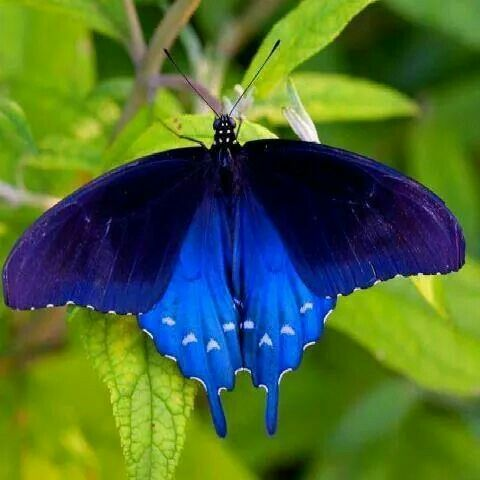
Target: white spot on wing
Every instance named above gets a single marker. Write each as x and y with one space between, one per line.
168 321
248 325
189 338
287 330
212 345
265 340
228 327
306 307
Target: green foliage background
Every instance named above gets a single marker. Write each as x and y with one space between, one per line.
392 389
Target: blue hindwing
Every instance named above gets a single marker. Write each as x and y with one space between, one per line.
280 315
196 322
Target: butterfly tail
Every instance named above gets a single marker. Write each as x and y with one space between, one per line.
217 413
271 413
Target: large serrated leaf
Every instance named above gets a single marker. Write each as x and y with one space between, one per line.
151 400
334 98
305 30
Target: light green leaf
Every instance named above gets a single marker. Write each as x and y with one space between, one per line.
51 69
407 335
333 98
166 105
462 298
157 137
105 16
206 457
365 422
430 443
151 400
438 159
14 128
458 18
431 288
305 30
16 139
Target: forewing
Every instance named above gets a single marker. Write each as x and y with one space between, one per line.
112 244
348 221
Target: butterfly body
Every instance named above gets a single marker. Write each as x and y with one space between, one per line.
233 257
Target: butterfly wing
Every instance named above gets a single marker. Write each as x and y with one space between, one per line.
196 321
281 316
112 244
348 221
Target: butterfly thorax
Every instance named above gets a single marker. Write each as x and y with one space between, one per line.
223 150
224 128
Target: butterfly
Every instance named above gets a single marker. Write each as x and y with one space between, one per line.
232 257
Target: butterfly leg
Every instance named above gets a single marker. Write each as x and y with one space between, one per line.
183 137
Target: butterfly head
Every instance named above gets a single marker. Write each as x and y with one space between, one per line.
224 127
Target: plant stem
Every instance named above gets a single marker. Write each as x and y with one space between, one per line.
165 33
240 31
16 197
178 83
136 46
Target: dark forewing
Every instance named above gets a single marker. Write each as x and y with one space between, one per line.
112 244
348 221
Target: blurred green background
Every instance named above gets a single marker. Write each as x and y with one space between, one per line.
392 389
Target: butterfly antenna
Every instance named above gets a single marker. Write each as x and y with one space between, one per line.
277 43
167 53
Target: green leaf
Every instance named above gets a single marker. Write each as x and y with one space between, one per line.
334 98
165 106
334 375
151 400
365 422
206 457
458 18
438 159
431 288
407 335
157 137
305 30
462 299
51 69
429 443
105 16
14 128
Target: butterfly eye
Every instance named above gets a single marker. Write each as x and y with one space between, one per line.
232 122
216 123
